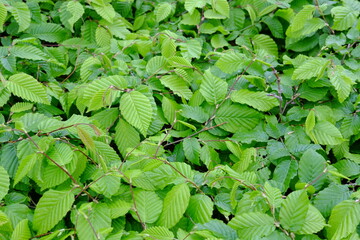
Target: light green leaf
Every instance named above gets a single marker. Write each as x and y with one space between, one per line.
213 89
70 12
259 100
158 233
118 207
156 65
104 9
200 208
283 174
148 205
25 166
311 168
325 133
21 106
21 13
49 32
90 68
190 5
126 137
294 210
4 182
168 47
266 43
22 231
107 184
177 85
136 109
314 221
273 195
298 22
341 82
344 219
221 6
3 14
27 87
175 203
313 67
344 17
86 138
237 117
192 148
51 208
28 52
253 225
310 123
232 62
102 37
162 11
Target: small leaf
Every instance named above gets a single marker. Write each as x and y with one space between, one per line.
22 231
148 205
344 17
21 13
232 62
314 221
314 67
137 110
213 88
4 182
177 85
221 6
162 11
86 138
25 166
192 150
3 14
200 208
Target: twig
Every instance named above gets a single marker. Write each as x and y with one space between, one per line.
323 16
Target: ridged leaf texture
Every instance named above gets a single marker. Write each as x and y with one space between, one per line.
104 9
311 168
148 206
341 82
232 62
22 231
344 17
177 85
313 67
4 182
25 166
3 14
253 225
158 232
137 110
294 210
200 208
49 32
21 13
326 133
258 100
27 87
51 208
213 88
191 5
70 12
175 203
162 11
266 43
344 219
314 221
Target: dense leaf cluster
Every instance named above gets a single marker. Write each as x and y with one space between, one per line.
189 119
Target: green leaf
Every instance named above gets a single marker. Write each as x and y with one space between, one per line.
344 17
107 184
213 89
190 5
311 168
253 225
344 219
86 138
314 221
168 47
25 166
137 110
200 208
162 11
49 32
294 210
51 208
27 87
28 52
273 195
310 123
21 13
221 6
21 106
314 67
156 65
284 172
158 233
266 43
298 22
341 82
192 150
232 62
104 9
175 203
259 100
22 231
102 37
70 13
235 117
325 133
148 206
126 137
177 85
4 182
3 14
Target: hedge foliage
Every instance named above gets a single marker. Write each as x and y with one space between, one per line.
189 119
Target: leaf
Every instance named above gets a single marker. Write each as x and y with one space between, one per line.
273 195
177 85
27 87
4 182
344 17
22 231
21 106
49 32
162 11
314 221
310 123
70 13
314 67
28 52
86 138
156 65
200 208
175 203
158 233
283 174
311 168
341 82
213 89
253 225
136 109
221 6
104 9
89 68
264 42
344 219
126 137
3 14
102 37
237 117
326 133
232 62
21 13
25 166
190 5
259 100
168 47
51 208
192 150
148 205
294 210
